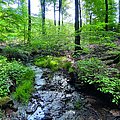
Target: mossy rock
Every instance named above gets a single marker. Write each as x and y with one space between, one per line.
5 100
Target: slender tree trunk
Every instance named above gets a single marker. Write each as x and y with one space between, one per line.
106 16
77 36
54 14
43 16
90 20
60 4
62 18
29 21
80 9
119 11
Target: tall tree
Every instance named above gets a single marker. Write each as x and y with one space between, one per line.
60 6
106 15
98 9
77 36
80 9
119 11
29 21
43 15
54 2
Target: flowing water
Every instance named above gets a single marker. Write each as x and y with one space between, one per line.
55 99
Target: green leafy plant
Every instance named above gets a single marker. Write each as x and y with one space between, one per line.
19 72
23 91
4 78
11 72
16 53
87 69
107 80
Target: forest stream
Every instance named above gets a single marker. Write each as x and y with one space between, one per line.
55 99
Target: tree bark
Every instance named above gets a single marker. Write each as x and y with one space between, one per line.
106 16
119 11
29 21
43 16
90 20
54 14
62 18
77 36
80 9
60 4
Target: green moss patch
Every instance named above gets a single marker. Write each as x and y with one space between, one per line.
54 63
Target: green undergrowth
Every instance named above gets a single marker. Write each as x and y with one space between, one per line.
116 51
15 74
16 53
54 63
107 80
23 91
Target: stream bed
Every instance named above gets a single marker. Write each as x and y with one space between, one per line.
55 99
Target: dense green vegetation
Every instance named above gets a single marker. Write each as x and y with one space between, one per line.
54 63
13 78
49 45
106 79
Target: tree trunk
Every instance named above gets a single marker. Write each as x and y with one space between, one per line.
54 14
80 9
119 11
29 21
106 16
62 18
43 16
90 20
77 36
60 4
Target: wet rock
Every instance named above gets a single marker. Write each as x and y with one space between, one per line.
70 106
31 108
36 95
37 115
6 102
47 118
14 107
68 96
115 112
80 118
41 104
68 115
34 101
40 82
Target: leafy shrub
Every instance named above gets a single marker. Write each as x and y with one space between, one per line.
4 78
11 72
19 73
107 80
16 53
24 80
88 69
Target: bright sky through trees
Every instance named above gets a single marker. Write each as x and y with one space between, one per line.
35 8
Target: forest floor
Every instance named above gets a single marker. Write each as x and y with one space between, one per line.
56 99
